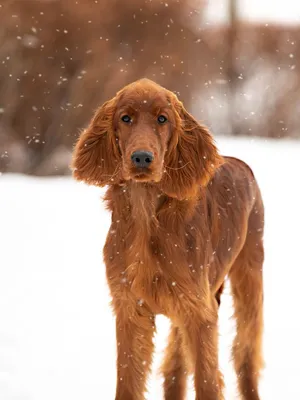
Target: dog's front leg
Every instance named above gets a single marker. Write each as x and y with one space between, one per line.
135 327
200 335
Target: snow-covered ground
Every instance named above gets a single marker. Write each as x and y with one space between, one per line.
56 327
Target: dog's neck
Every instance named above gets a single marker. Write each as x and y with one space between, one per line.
150 207
145 200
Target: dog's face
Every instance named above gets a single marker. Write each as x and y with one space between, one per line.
144 122
144 134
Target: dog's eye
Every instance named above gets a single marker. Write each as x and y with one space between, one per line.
126 119
161 119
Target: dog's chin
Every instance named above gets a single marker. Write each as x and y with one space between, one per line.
143 176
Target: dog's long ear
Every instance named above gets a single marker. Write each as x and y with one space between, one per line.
192 157
96 157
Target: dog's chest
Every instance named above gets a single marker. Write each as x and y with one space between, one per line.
158 261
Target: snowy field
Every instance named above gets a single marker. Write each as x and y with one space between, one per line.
57 338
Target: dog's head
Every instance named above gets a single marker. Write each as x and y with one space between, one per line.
144 134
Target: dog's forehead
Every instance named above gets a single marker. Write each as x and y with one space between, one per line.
144 97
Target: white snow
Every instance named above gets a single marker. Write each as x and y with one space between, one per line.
56 327
287 12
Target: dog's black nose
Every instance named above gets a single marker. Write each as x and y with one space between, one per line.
142 158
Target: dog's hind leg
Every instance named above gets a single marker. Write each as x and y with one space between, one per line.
247 288
174 368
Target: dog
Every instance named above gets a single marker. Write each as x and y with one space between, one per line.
183 219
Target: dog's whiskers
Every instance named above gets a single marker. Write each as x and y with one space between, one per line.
115 173
176 169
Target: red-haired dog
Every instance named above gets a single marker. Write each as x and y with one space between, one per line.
183 218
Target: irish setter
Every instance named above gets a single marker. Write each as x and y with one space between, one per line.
183 218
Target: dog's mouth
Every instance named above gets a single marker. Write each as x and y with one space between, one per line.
144 175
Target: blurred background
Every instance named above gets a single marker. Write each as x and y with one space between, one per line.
234 63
